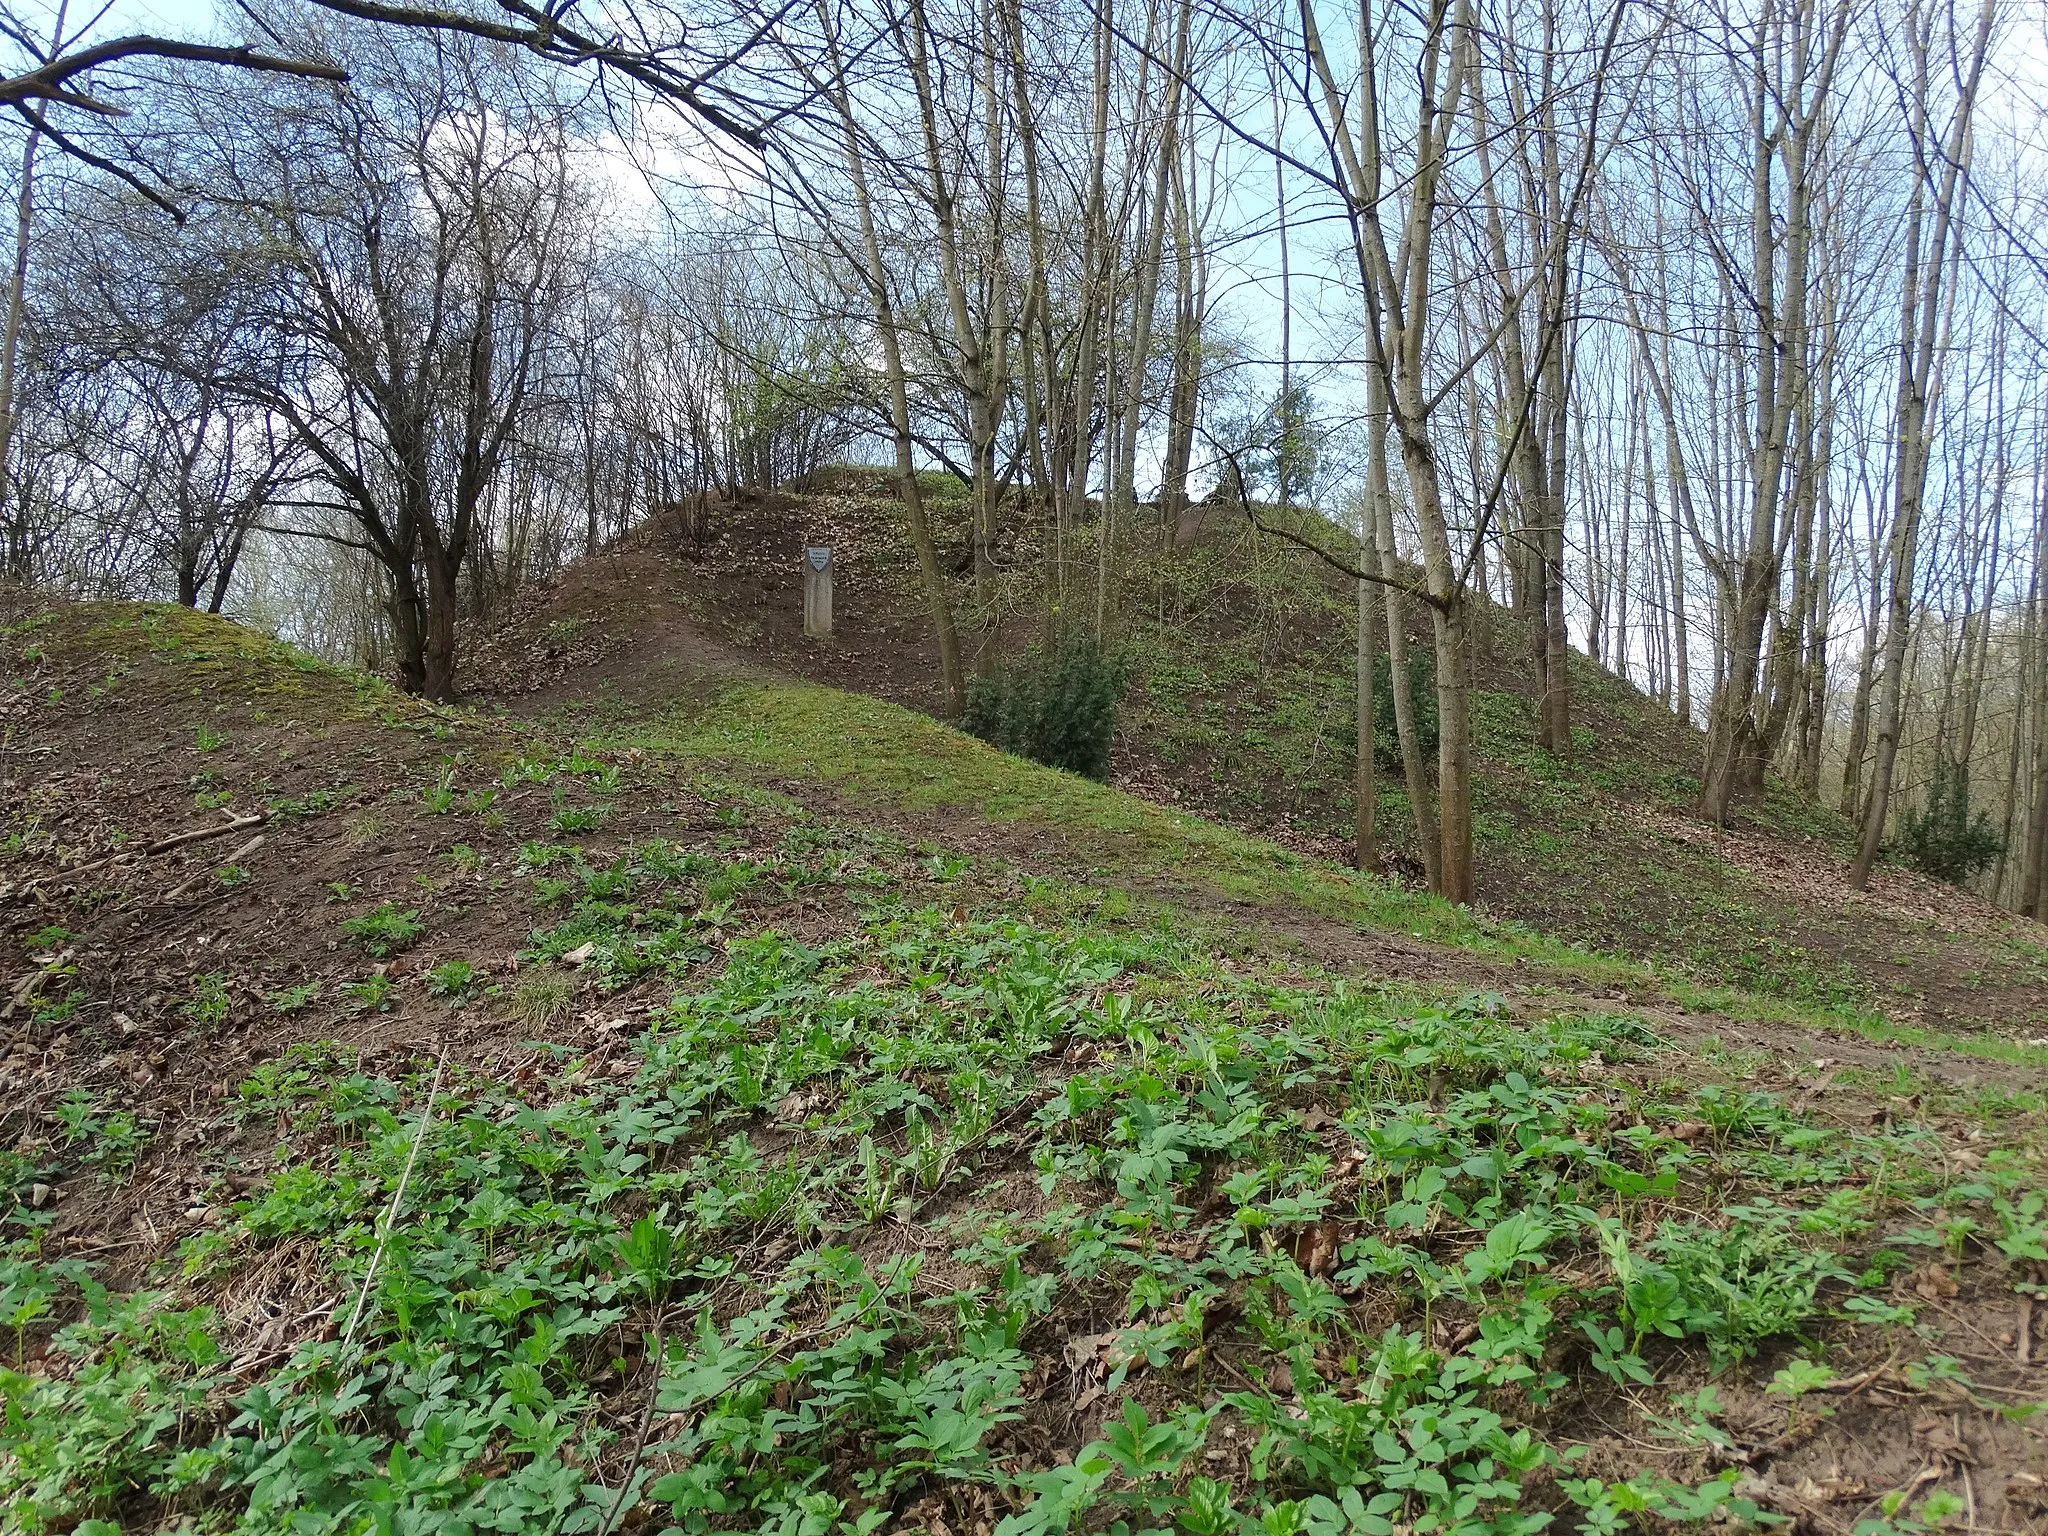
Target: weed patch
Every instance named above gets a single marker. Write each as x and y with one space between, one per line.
1296 1261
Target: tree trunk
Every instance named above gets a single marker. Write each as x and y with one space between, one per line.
1365 787
437 681
19 557
937 600
1922 316
1414 773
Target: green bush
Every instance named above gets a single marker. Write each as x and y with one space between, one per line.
1056 707
1386 738
1943 838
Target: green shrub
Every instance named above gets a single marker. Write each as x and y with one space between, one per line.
1943 838
1056 707
1386 736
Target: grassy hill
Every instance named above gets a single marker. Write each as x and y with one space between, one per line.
698 1098
1241 711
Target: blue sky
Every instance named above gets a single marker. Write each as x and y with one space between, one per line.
175 18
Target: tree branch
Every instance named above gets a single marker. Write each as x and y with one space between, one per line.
52 82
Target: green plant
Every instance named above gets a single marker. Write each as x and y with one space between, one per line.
287 809
208 1004
439 797
121 1417
111 1141
1056 706
1421 681
1942 837
2023 1236
1737 1288
577 818
451 978
527 770
1794 1383
671 1217
384 930
208 739
375 993
295 999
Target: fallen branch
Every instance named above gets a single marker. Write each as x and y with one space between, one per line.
646 1423
234 823
236 857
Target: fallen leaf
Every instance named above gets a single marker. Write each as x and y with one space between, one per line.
1946 1445
1086 1348
1829 1490
1315 1248
2027 1491
1932 1282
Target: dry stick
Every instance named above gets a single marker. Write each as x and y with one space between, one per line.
654 1397
646 1423
2023 1331
232 824
236 857
397 1196
35 978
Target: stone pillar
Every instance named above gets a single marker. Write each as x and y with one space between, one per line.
818 591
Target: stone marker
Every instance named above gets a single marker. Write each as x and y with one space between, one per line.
818 591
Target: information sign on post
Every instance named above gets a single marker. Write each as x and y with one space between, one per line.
818 591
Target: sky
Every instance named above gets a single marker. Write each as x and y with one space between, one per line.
174 18
1324 324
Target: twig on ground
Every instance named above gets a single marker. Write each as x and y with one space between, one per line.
397 1198
234 823
236 857
646 1423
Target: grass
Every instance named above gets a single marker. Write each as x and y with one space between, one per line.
384 930
1245 706
877 754
880 754
542 1001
